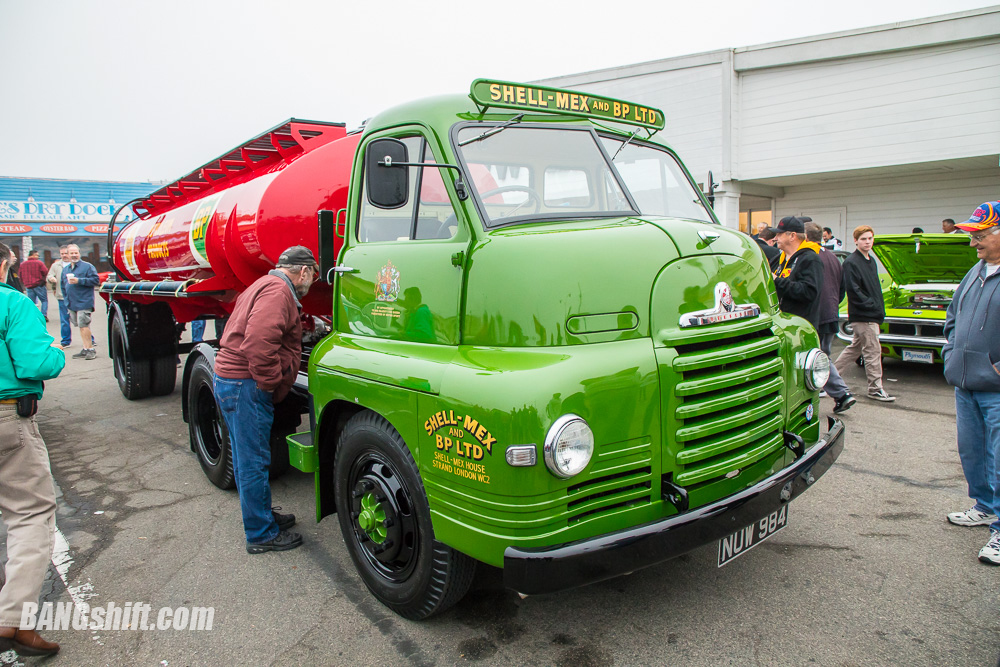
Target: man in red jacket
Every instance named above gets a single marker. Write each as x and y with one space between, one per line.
257 364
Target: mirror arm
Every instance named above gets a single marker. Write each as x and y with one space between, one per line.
460 189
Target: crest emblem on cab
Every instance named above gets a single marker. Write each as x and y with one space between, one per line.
725 310
387 283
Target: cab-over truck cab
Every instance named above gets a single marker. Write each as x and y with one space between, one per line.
547 355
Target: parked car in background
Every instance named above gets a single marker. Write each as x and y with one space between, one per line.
921 272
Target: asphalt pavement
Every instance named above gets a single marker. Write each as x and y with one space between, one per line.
867 572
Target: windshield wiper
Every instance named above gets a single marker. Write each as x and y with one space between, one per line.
625 143
496 130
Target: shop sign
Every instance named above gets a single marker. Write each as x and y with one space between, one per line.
58 229
99 229
30 211
14 229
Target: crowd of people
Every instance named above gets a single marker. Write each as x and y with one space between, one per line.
811 282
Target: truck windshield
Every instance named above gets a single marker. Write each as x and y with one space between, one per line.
655 180
527 173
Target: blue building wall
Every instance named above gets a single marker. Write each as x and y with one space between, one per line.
44 213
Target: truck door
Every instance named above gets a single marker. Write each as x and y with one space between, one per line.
406 282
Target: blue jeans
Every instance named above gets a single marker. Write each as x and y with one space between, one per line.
248 413
64 329
197 331
41 295
978 418
835 386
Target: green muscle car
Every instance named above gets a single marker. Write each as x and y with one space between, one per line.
921 274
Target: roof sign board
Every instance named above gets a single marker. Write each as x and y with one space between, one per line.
508 95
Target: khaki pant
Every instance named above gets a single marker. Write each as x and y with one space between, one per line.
865 344
28 503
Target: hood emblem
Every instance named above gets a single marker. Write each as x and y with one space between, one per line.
709 237
725 310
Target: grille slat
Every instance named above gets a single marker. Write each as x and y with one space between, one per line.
716 469
729 400
740 439
747 372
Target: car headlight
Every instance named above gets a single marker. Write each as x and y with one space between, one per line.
569 444
817 369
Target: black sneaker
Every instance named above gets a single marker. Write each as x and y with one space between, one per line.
82 354
881 395
284 521
844 403
285 541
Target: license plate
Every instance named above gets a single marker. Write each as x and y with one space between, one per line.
745 539
919 356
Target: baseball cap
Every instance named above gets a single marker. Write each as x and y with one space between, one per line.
986 215
297 255
791 224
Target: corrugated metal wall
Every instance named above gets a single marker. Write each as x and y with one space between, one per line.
888 109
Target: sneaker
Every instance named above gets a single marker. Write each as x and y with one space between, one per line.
823 394
971 517
89 354
844 403
991 552
284 521
880 395
82 354
285 541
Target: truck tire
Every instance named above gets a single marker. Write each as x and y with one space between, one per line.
209 436
386 523
133 374
164 375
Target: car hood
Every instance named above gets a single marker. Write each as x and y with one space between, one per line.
925 258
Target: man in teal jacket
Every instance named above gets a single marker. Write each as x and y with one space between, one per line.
27 498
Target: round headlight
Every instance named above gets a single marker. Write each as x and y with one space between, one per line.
569 444
817 369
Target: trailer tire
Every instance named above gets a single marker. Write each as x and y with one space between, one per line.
386 523
164 372
133 374
209 436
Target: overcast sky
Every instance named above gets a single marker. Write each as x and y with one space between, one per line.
149 90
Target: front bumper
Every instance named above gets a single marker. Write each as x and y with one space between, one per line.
919 337
550 569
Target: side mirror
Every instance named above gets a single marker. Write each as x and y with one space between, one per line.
388 184
327 260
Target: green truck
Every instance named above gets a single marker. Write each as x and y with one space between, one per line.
543 352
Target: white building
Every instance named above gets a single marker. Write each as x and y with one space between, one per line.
896 126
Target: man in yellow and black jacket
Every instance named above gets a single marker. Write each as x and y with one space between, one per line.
799 276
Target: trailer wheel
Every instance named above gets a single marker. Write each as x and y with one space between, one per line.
164 372
133 374
209 437
386 523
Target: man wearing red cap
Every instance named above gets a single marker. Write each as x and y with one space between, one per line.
972 365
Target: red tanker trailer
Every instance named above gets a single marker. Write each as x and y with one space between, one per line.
198 242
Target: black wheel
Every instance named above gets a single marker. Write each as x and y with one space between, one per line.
164 372
133 374
386 523
209 437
